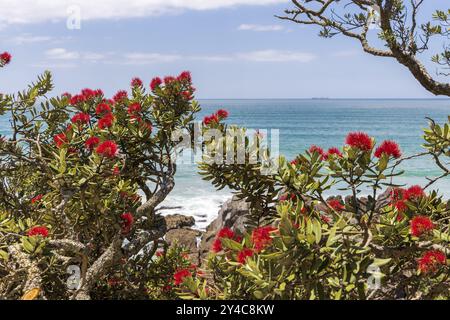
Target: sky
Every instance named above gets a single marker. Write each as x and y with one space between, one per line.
234 49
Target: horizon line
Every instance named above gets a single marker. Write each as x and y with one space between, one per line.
318 98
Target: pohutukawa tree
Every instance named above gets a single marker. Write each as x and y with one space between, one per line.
301 245
403 33
72 170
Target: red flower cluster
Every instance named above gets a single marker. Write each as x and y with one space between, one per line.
38 231
92 142
81 118
60 139
156 82
421 225
5 58
313 149
244 254
399 196
180 275
134 108
106 121
185 76
107 149
215 117
120 96
136 82
36 198
169 80
359 140
85 95
336 205
127 222
431 260
389 148
261 237
102 108
333 151
224 233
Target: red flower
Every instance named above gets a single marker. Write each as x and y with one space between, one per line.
81 118
325 219
261 237
287 196
134 108
431 260
136 82
180 275
38 231
414 192
185 76
420 225
37 198
60 139
88 93
210 119
120 96
222 114
168 80
127 222
77 99
98 93
106 121
156 82
226 233
116 171
317 149
336 204
333 151
359 140
244 254
107 149
390 148
187 95
102 108
92 142
400 205
223 233
5 58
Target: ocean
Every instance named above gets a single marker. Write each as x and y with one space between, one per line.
303 122
324 122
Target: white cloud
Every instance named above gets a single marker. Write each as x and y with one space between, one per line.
255 56
28 38
32 11
260 27
277 56
145 58
148 58
62 54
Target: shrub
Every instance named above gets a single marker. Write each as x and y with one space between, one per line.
74 169
301 246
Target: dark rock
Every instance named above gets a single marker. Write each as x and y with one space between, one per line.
176 221
233 214
186 238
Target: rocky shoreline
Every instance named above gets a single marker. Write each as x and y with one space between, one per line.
232 214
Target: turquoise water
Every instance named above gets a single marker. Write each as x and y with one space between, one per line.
321 122
302 123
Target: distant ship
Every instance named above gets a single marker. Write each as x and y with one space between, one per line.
320 98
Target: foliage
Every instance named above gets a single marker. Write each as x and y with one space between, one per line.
306 247
81 178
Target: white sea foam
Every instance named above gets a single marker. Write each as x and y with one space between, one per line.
199 203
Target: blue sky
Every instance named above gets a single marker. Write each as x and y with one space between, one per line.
234 49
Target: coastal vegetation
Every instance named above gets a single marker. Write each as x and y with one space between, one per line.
83 177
